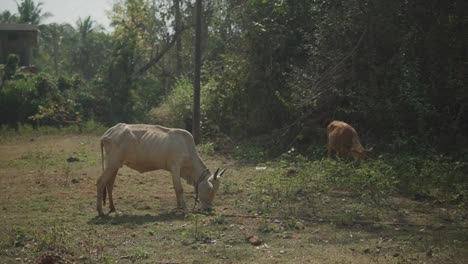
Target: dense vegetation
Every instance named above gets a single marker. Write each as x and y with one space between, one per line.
276 71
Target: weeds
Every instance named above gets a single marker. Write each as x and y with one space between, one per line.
93 248
249 153
201 229
230 186
207 149
55 239
293 183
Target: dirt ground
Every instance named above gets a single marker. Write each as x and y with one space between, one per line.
48 215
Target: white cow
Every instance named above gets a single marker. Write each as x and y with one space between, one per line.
151 147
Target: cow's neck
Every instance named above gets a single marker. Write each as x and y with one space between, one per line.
199 169
194 172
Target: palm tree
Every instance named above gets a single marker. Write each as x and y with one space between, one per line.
85 27
30 12
7 17
53 35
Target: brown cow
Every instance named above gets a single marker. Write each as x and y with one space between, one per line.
343 139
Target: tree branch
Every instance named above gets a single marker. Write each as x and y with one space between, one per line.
161 54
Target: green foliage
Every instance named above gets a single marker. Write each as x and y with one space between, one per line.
177 106
55 239
372 180
31 12
7 17
146 95
18 101
11 66
436 176
57 105
44 100
249 153
65 112
298 183
207 149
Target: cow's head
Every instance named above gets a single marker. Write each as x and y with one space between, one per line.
361 154
208 187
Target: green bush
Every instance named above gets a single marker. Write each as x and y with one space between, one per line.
146 95
10 67
436 176
18 101
45 100
177 106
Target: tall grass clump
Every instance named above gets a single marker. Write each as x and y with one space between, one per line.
298 182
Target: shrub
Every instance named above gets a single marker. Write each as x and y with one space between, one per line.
18 101
177 107
11 66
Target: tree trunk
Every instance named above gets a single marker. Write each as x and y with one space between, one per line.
196 79
178 39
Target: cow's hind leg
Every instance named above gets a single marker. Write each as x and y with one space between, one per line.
102 182
179 191
110 188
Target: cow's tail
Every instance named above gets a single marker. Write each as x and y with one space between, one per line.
104 192
102 155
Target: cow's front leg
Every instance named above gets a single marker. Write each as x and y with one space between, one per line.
179 191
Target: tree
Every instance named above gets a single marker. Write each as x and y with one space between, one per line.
53 35
178 28
197 73
30 12
6 17
85 28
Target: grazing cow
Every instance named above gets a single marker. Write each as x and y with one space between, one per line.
151 147
343 139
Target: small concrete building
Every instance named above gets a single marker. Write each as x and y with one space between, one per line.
18 39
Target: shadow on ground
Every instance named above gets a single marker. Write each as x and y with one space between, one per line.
118 219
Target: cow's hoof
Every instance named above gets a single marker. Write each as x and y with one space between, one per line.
179 210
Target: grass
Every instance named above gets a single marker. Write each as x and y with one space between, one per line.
317 211
88 127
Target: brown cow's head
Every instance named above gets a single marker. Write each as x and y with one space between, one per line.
207 189
361 154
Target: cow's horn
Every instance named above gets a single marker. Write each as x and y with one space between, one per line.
216 174
222 172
